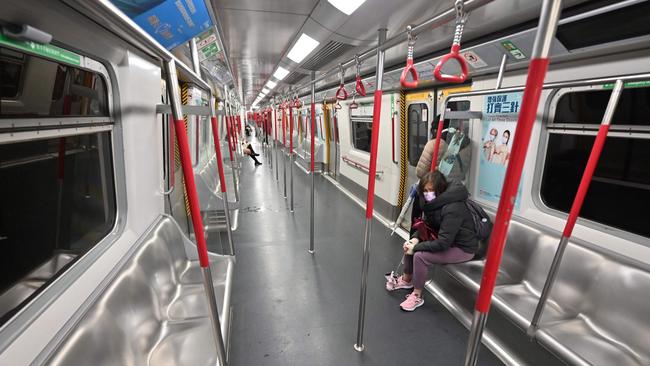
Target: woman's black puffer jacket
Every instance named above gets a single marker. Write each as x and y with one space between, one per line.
449 216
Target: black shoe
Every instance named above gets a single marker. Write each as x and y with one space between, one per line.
258 163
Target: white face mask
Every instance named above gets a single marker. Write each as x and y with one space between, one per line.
493 137
429 196
504 140
451 130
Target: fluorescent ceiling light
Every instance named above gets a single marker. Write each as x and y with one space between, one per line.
265 91
347 6
280 73
303 47
271 84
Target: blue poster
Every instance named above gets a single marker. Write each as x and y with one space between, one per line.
500 114
171 22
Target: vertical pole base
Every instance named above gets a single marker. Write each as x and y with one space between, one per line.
364 286
214 316
475 335
226 207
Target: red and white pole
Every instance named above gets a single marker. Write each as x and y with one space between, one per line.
436 146
197 222
291 153
222 176
313 164
579 199
370 199
284 148
275 142
532 92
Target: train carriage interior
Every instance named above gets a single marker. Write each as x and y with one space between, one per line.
325 182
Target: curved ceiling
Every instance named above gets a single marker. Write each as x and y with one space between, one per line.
258 34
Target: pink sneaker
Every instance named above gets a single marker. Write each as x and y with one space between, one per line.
412 302
395 283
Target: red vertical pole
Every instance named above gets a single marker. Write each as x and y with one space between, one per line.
529 105
290 130
579 199
284 127
312 135
370 198
436 146
188 174
226 119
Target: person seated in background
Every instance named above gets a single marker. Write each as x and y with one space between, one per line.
454 162
439 209
248 150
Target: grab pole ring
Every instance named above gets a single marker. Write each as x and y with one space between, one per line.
354 104
409 68
461 19
341 93
359 87
297 103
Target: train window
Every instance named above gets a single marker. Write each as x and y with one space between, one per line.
588 107
620 187
361 132
418 117
58 201
11 71
35 87
616 25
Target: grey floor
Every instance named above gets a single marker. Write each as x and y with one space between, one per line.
294 308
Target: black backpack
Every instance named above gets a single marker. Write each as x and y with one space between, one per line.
482 226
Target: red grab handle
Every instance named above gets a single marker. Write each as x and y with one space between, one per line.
409 69
360 88
454 54
354 105
342 94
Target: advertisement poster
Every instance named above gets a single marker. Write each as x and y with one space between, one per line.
170 22
500 113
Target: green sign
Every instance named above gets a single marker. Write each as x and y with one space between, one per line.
44 50
631 84
207 44
513 50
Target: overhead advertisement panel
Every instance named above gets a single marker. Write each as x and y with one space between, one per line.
170 22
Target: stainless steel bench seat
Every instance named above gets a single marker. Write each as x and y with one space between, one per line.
597 312
154 311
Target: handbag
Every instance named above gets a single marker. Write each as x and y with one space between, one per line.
425 233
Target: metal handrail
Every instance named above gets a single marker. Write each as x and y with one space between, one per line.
361 166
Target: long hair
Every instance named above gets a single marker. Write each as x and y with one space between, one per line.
438 181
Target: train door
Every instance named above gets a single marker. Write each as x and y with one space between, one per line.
335 148
420 111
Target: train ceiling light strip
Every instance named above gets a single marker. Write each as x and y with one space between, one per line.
346 6
303 47
280 73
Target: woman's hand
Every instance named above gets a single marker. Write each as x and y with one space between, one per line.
408 246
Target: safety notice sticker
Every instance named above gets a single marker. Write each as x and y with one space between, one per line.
472 58
513 50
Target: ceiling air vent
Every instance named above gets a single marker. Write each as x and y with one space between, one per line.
293 78
329 52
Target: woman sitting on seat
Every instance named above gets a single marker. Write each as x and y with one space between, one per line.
440 208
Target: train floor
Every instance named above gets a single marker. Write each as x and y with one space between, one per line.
294 308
